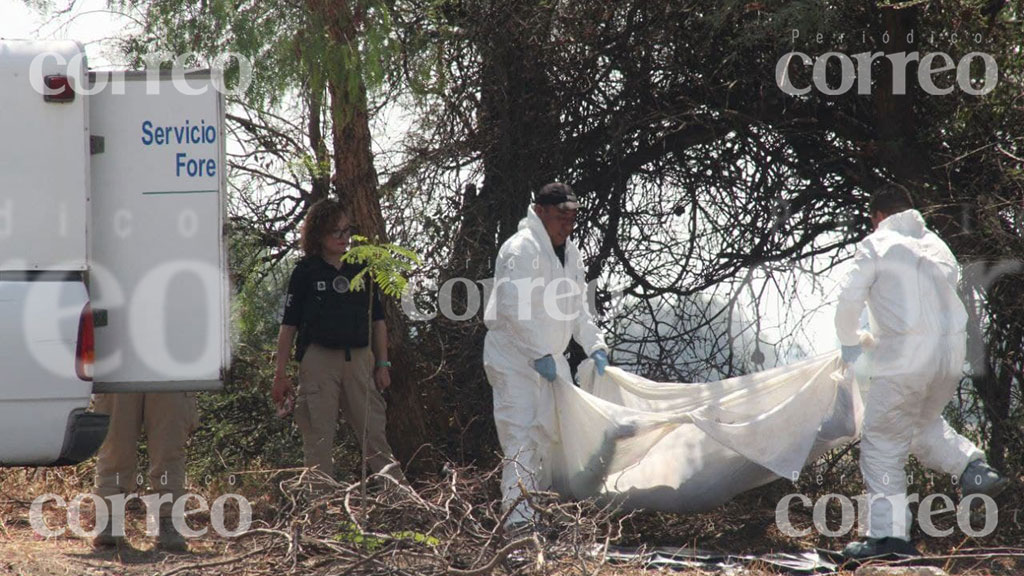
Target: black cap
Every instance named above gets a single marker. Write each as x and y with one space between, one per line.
556 194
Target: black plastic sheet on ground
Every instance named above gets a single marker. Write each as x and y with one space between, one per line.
803 562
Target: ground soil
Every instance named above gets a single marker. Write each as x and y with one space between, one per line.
745 526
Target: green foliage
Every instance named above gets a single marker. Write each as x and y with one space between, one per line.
350 533
238 429
417 537
311 168
387 264
288 44
256 305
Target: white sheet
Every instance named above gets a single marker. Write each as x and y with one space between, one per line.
689 447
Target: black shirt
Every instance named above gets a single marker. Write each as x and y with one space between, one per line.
312 274
560 252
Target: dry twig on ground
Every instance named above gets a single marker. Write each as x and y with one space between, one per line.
452 526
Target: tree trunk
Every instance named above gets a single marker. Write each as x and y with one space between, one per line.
321 182
519 126
895 118
355 183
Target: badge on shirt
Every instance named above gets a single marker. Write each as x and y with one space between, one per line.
321 286
340 284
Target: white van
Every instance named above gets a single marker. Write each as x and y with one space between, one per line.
112 251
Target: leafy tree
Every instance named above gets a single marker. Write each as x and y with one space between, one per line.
698 174
303 124
701 180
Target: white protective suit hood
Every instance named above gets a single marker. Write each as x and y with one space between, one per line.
908 277
536 303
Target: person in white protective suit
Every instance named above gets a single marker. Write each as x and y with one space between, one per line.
539 300
908 277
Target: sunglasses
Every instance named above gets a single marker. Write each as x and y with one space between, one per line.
339 233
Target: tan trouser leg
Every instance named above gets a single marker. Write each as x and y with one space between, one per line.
328 382
115 466
316 407
169 419
364 408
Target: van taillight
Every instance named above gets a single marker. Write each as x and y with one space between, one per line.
85 351
58 89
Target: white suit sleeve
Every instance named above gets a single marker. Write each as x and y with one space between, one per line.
853 296
584 330
513 274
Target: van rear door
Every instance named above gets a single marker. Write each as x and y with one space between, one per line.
158 270
44 162
44 211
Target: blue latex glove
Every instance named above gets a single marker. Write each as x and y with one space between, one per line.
545 366
600 361
851 353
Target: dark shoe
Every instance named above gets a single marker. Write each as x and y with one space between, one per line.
980 478
134 505
170 540
106 538
874 547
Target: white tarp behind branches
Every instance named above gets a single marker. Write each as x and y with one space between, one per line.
688 447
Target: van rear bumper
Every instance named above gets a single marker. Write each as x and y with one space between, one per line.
82 438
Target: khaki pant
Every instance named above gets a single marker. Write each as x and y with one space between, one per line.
168 418
329 382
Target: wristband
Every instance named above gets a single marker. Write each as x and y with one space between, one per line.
383 364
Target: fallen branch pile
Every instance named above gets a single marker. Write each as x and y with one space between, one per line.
452 526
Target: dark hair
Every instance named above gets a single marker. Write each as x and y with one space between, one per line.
320 220
890 199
